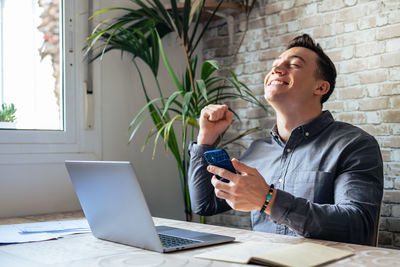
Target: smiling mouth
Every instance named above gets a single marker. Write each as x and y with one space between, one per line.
277 82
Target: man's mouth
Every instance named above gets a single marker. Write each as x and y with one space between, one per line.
277 82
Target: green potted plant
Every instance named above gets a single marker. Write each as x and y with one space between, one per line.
138 32
7 116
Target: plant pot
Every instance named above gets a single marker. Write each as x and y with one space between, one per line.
8 125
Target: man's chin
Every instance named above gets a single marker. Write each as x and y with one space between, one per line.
276 100
272 97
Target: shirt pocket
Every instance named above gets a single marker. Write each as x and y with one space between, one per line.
316 186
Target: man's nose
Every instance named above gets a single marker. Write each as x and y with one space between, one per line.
278 69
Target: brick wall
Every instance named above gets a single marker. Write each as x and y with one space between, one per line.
363 39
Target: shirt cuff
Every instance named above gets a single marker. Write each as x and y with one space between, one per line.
281 207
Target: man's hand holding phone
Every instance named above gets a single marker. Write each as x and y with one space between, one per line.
220 158
246 189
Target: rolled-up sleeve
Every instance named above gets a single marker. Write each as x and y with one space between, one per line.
358 190
202 196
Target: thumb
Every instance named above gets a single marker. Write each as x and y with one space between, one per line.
241 167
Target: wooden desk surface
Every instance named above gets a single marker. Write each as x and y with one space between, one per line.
86 250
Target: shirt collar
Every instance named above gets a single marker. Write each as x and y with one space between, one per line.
274 133
308 129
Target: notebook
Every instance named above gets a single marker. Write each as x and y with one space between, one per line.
116 210
305 254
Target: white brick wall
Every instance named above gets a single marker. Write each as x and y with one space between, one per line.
363 39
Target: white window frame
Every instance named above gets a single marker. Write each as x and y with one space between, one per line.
37 145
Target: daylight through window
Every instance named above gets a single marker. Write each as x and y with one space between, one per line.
31 87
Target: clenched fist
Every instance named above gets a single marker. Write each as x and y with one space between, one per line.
214 120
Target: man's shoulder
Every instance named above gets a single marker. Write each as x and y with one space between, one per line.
350 132
260 142
260 147
350 128
265 140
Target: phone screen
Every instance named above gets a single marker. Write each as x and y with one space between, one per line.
219 158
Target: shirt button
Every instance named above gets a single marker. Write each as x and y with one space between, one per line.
280 180
288 150
307 133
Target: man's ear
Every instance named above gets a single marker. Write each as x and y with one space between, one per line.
322 88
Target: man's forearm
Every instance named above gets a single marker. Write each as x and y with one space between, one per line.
353 218
202 196
336 222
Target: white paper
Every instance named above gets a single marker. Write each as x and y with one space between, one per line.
29 232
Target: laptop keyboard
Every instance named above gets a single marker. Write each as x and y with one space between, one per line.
173 241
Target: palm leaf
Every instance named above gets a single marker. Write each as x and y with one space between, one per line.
137 127
168 129
201 85
208 68
205 27
197 7
159 133
109 9
168 65
142 110
175 14
151 133
170 100
186 20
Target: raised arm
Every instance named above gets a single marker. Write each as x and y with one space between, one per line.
214 120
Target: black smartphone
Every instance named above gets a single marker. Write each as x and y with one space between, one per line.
220 158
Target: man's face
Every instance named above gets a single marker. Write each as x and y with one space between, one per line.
292 79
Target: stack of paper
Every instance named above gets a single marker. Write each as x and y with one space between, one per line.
29 232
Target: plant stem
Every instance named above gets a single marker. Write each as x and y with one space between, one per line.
185 168
188 61
248 11
252 130
160 92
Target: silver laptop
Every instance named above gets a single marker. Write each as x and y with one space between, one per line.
116 209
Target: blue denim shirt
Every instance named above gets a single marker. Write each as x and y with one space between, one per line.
329 177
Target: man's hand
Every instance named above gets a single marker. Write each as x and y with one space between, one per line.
214 120
245 192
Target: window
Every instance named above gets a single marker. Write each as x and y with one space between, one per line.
39 71
45 122
44 143
31 64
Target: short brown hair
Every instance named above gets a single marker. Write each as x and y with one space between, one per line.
327 70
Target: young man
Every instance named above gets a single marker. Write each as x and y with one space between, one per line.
327 175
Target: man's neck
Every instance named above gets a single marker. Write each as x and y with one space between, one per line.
287 120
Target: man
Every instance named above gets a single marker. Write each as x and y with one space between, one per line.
327 175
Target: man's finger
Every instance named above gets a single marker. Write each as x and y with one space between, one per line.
218 184
229 116
241 167
221 194
221 189
217 112
222 173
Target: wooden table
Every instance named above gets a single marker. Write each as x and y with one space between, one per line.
86 250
